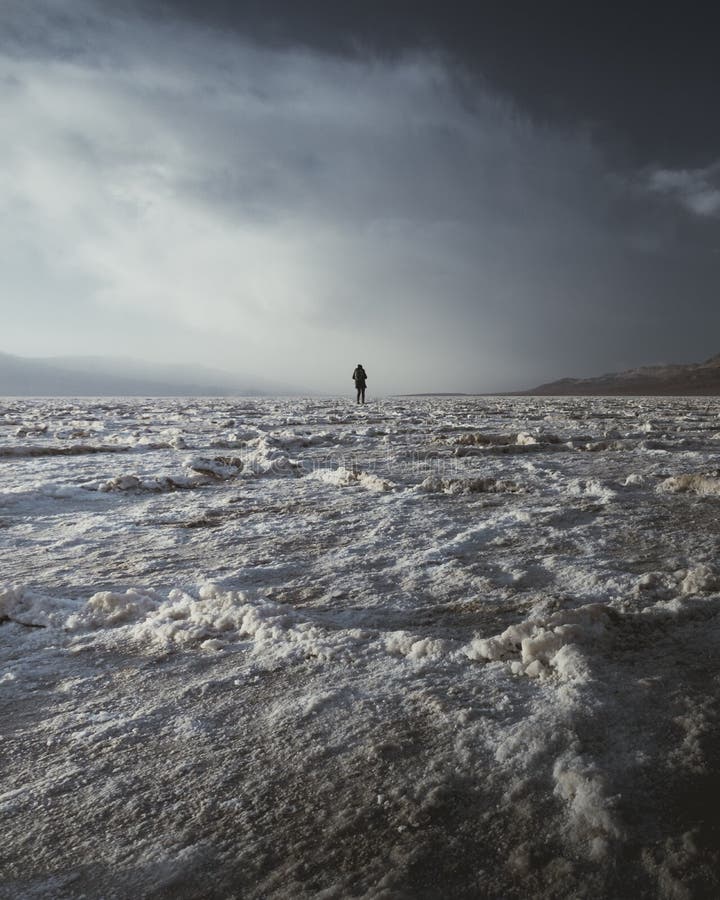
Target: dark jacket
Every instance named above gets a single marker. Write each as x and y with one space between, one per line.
359 377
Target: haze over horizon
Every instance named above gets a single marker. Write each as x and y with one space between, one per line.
466 199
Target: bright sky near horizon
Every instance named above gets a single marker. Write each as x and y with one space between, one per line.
462 199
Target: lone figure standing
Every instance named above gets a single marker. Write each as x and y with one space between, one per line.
360 379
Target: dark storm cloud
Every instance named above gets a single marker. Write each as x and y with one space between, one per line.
644 74
292 188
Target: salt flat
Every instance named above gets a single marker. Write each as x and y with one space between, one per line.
298 648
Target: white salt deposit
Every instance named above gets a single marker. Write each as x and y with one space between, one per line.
696 484
299 648
342 477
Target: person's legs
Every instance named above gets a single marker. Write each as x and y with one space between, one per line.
358 394
362 391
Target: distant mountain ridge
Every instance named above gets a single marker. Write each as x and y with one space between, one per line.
692 379
115 377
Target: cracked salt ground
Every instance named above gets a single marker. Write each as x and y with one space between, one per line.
285 648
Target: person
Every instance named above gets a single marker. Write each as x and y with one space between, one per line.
360 379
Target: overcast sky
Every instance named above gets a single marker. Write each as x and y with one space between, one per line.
462 196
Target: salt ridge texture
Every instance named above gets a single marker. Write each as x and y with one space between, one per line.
273 648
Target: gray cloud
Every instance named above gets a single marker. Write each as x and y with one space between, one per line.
645 76
697 190
259 207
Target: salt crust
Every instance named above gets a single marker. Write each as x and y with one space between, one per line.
542 644
557 647
705 485
343 477
556 658
435 484
554 644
